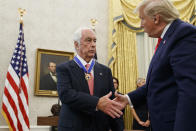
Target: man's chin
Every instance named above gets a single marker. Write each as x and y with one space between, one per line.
91 56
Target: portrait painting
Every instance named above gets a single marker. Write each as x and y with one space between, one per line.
46 79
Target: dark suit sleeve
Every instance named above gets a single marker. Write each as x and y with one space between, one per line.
77 100
138 96
183 62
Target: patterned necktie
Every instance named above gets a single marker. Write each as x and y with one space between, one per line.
90 80
158 43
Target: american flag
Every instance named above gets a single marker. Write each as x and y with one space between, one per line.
15 97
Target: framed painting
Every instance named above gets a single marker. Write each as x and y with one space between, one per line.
45 78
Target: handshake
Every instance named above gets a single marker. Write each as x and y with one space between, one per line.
113 107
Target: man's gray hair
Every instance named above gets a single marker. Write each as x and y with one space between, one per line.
164 8
78 33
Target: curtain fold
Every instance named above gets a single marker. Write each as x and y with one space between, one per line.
186 9
122 45
125 67
122 49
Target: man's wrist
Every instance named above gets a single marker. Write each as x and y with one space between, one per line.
129 101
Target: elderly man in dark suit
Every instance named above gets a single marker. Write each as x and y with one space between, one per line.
170 88
85 88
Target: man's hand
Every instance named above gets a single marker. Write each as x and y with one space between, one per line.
110 107
122 99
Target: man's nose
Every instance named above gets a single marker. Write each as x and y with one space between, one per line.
93 43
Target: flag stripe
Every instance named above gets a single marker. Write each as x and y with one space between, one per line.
17 100
22 109
10 119
24 88
25 117
14 75
13 105
12 82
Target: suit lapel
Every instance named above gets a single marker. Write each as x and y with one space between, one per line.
155 56
79 74
159 51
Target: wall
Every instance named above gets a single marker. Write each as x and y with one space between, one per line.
145 51
48 24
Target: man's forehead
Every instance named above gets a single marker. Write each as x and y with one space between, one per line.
52 64
88 34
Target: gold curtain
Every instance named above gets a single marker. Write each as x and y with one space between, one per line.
187 9
122 52
122 47
193 17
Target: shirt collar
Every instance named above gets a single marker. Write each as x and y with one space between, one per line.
83 61
52 74
165 29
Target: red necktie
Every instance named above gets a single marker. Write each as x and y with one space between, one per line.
158 43
90 80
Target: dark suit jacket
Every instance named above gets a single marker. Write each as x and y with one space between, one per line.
171 81
47 83
78 111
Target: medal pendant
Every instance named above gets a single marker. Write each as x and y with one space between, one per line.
87 76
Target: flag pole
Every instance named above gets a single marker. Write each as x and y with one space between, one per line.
22 12
93 23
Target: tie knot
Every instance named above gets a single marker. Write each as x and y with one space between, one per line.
87 66
158 42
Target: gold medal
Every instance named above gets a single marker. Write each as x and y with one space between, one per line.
87 76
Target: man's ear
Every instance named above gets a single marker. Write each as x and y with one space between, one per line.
76 45
156 19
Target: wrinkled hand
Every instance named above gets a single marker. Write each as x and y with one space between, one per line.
122 99
147 123
109 107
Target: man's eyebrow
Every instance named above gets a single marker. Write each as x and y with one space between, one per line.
91 38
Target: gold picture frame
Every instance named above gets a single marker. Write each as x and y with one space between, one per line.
46 58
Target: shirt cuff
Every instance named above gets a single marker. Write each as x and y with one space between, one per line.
96 109
129 100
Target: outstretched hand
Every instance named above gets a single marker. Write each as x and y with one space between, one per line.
110 107
122 99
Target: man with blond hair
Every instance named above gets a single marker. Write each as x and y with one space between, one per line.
170 88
